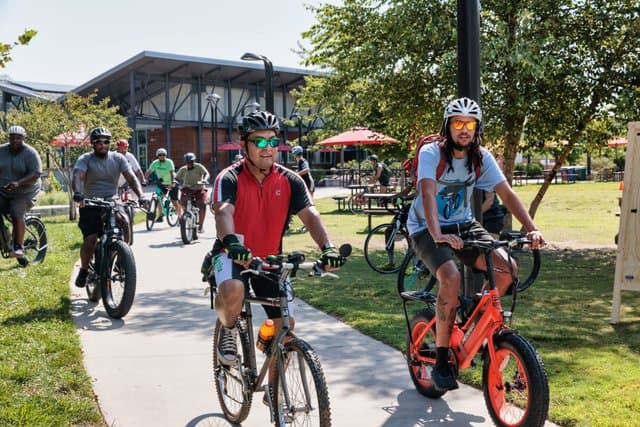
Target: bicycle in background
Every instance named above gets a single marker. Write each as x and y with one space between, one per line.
160 206
35 239
387 245
299 395
190 220
514 381
112 269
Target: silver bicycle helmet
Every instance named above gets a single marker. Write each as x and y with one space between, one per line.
17 130
161 151
297 150
189 157
99 132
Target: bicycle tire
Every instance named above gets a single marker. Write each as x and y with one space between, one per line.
515 384
356 204
414 276
92 285
186 228
118 287
35 241
421 358
232 386
380 258
306 387
172 216
151 214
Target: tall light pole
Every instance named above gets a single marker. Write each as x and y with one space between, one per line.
212 99
268 71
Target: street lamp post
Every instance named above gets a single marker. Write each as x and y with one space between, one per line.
213 99
268 71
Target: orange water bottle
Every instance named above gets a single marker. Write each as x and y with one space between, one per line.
265 335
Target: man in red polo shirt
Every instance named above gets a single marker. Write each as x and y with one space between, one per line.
252 201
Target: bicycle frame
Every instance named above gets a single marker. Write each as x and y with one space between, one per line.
6 238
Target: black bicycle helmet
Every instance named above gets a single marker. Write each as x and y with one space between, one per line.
189 157
259 120
373 157
99 132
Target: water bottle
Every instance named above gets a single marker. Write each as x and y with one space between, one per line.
265 335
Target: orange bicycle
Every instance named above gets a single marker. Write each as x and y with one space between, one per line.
514 381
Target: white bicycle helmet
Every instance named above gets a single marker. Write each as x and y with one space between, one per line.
161 151
17 130
463 107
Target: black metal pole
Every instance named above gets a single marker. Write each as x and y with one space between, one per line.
214 129
469 86
268 69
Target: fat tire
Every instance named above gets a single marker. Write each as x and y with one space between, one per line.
303 371
150 219
123 222
186 233
235 406
421 360
522 389
35 241
121 272
414 276
375 248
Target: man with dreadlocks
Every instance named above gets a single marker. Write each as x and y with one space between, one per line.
441 214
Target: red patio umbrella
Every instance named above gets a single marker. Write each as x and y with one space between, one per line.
358 136
617 142
71 139
229 146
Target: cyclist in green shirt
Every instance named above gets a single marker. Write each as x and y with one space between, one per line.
166 172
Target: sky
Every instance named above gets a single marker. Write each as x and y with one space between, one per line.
78 40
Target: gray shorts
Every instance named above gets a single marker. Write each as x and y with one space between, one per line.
17 205
435 255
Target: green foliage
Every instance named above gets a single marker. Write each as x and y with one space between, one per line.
42 377
600 163
534 169
6 48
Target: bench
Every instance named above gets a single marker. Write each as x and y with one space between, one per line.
377 211
342 202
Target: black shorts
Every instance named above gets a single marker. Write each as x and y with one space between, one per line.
90 221
435 255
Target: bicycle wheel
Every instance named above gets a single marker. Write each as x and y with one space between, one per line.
515 385
151 213
119 286
232 387
414 276
35 241
93 281
356 203
304 383
172 215
187 227
421 353
385 247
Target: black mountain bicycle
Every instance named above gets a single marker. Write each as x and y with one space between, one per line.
35 239
112 269
299 396
386 245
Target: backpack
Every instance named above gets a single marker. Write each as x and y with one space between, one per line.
385 175
411 165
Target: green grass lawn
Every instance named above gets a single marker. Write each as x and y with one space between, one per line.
593 367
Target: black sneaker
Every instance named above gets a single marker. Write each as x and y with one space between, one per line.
160 219
443 379
81 279
227 350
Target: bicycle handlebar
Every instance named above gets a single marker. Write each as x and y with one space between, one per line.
292 262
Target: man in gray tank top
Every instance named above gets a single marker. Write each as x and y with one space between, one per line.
20 170
96 174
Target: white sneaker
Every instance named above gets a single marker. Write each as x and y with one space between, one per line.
17 253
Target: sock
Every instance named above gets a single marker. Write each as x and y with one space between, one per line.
442 356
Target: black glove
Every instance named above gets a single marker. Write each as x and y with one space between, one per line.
234 248
78 196
331 257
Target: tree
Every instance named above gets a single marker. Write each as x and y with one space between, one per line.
6 48
549 68
76 114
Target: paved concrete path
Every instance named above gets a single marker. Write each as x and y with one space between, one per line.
154 367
